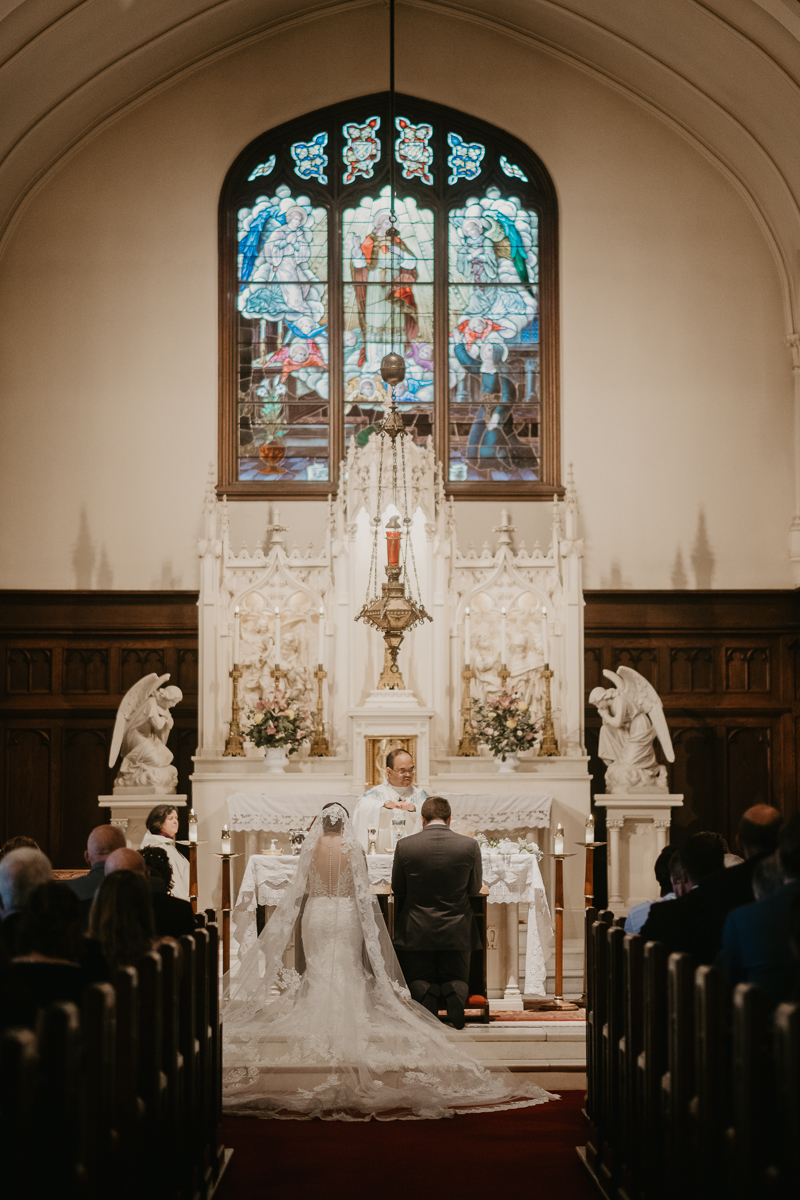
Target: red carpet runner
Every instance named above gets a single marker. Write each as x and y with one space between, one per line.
526 1152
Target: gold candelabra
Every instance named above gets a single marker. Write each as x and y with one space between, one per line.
549 746
277 674
234 743
504 675
468 746
319 744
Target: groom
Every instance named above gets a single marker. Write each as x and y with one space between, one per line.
434 874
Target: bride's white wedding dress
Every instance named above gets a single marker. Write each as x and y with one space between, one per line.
318 1022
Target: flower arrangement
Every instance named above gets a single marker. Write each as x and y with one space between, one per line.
278 722
506 846
504 723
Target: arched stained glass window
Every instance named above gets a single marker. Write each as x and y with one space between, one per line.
317 285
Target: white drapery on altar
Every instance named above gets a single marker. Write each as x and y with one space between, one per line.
510 878
276 813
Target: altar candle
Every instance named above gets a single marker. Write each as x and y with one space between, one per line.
545 639
236 635
590 831
226 840
466 637
558 840
503 636
321 634
192 826
277 637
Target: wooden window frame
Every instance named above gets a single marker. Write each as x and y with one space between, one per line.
538 193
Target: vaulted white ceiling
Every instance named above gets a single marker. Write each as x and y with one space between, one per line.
725 73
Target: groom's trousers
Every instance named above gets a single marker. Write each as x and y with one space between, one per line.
424 968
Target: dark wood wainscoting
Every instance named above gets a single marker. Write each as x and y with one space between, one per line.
726 667
67 660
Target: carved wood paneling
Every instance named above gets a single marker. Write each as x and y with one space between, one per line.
643 659
691 669
69 657
747 669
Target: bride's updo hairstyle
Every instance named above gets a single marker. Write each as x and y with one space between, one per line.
333 823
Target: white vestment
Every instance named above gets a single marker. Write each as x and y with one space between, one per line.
371 814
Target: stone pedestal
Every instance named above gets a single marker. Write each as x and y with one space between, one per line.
637 830
130 806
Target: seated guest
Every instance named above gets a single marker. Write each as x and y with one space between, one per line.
757 938
681 925
18 843
121 919
757 839
639 913
46 966
102 841
172 917
767 877
162 827
21 872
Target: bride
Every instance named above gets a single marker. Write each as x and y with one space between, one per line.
336 1035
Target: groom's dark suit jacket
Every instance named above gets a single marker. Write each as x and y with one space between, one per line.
434 874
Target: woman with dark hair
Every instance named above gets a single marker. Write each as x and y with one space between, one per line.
50 941
18 843
121 919
162 827
157 861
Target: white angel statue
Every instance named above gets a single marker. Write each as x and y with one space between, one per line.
140 733
633 717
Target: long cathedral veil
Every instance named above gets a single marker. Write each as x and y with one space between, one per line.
318 1021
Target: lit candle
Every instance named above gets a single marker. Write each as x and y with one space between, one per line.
236 635
590 831
503 636
545 640
466 638
320 654
192 827
226 840
277 637
558 840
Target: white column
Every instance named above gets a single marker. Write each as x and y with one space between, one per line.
662 833
512 991
613 828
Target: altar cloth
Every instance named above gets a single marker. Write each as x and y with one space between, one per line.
275 813
511 879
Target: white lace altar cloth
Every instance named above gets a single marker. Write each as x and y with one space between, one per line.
510 878
249 811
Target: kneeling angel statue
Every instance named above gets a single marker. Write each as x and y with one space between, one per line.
141 730
633 717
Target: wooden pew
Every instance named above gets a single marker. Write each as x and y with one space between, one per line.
590 917
128 1104
597 1004
19 1061
613 1031
786 1055
58 1098
652 1063
99 1138
711 1078
752 1089
678 1080
631 1046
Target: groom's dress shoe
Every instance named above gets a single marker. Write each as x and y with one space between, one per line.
455 1010
431 1000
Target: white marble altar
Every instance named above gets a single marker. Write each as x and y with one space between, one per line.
333 577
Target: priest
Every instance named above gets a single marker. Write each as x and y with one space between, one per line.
396 797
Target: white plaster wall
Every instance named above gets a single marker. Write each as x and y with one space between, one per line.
677 404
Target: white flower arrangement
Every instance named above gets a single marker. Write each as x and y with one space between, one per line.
506 846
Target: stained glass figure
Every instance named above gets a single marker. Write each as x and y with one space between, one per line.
362 149
512 170
310 159
464 159
265 168
412 150
494 340
388 305
283 339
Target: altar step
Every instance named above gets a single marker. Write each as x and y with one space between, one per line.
551 1053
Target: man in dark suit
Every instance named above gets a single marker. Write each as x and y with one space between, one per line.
102 841
756 941
682 924
173 917
757 840
434 874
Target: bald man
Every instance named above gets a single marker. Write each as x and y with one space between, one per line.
173 917
103 840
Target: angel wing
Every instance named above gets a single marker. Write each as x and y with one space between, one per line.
132 709
250 244
646 699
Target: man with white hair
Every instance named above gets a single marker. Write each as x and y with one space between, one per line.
21 872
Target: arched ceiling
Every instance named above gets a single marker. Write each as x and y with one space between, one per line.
726 73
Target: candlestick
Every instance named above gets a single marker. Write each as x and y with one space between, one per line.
558 1003
503 636
589 831
467 647
319 744
545 638
192 827
468 746
225 847
321 651
236 635
558 841
234 743
226 906
277 637
549 746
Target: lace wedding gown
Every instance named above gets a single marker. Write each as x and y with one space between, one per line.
337 1035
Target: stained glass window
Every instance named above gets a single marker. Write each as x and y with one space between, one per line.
318 283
